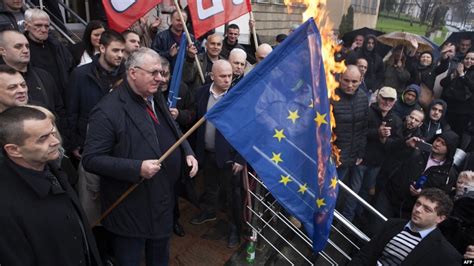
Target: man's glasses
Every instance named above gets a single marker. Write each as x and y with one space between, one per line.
153 73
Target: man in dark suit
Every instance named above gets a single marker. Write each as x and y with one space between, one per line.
417 242
221 163
40 215
128 130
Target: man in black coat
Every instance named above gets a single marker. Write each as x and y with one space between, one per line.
351 114
46 51
128 130
42 90
41 218
417 242
424 169
221 163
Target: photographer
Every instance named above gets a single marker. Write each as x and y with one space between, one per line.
424 169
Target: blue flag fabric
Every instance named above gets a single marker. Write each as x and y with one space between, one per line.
278 119
173 95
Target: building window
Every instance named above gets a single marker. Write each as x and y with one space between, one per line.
365 6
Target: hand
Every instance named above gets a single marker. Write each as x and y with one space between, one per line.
359 161
411 142
192 51
173 50
384 131
460 69
77 153
251 24
354 45
191 162
399 64
414 192
237 168
469 252
149 168
414 43
448 51
174 113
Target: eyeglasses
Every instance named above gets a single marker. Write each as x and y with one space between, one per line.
153 73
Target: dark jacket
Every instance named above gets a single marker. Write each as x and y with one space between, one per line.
186 106
40 228
431 128
8 20
376 151
226 48
225 153
62 58
396 78
458 92
351 114
162 44
398 186
402 108
120 137
426 75
77 50
190 71
434 249
87 86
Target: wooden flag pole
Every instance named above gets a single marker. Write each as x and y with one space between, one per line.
160 160
254 32
178 8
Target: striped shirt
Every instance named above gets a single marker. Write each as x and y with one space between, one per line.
398 248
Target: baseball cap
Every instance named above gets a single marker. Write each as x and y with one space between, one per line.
388 92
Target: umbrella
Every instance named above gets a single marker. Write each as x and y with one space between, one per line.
456 36
403 38
349 37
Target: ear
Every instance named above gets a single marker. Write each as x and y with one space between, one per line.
27 26
132 73
212 76
440 218
2 51
102 49
13 150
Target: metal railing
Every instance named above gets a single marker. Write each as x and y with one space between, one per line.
288 242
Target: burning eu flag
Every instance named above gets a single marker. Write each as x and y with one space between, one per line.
278 119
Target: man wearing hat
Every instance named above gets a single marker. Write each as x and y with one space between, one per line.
423 169
384 127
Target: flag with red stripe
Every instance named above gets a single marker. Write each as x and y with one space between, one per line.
210 14
121 14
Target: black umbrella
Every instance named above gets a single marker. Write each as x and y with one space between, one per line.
455 37
349 37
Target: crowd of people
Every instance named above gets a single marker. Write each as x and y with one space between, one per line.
81 124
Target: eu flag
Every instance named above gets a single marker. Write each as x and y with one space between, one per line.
278 118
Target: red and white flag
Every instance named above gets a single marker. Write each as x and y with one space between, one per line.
210 14
121 14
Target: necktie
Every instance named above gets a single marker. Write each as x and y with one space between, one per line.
151 110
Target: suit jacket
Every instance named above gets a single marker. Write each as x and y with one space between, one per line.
120 137
40 228
225 153
434 249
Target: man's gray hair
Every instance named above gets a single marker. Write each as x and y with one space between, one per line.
35 13
238 51
138 57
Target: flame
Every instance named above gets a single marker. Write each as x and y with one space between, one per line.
317 10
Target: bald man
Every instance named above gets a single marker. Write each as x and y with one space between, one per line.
263 50
351 114
238 61
221 162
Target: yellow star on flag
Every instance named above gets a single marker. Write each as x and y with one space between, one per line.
279 134
285 179
320 202
293 115
276 157
303 188
320 119
333 183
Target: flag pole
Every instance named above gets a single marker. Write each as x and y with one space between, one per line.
160 160
178 8
254 33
